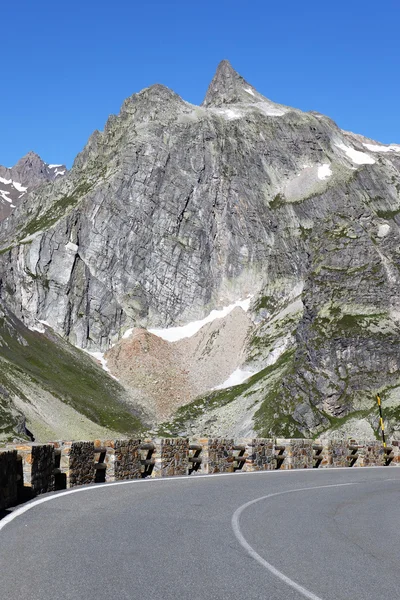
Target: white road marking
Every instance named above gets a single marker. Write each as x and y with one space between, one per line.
23 509
250 550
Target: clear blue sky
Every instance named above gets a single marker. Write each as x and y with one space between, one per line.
67 65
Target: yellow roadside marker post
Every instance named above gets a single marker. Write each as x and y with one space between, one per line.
382 426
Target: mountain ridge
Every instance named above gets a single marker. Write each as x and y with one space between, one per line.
175 210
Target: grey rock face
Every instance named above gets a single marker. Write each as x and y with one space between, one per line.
29 172
177 209
228 87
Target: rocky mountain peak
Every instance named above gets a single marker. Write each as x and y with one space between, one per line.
228 87
156 102
30 168
29 172
31 155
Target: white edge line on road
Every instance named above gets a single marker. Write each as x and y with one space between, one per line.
23 509
250 550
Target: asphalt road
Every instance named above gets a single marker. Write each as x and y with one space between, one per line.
317 534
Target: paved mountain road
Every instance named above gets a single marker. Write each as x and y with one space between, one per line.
323 535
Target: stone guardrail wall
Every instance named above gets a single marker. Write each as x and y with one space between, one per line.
27 470
10 478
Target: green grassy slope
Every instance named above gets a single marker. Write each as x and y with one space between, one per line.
47 362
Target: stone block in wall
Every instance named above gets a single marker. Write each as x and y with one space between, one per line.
220 455
78 463
223 454
10 478
371 454
337 451
174 456
260 455
42 472
298 453
127 459
395 445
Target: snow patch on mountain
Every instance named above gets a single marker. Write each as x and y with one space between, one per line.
267 108
270 109
99 356
236 378
19 187
359 158
380 148
4 196
324 171
173 334
230 114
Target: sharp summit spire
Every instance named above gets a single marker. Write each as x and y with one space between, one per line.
228 87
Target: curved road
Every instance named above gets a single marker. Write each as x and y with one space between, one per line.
322 535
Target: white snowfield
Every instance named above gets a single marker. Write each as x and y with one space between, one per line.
54 166
230 113
236 378
241 375
18 186
324 171
39 326
268 108
380 148
100 357
359 158
4 196
173 334
127 334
